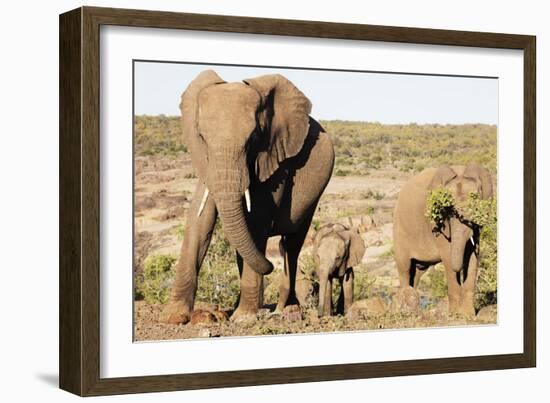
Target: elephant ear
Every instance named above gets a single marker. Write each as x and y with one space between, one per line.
285 121
482 176
442 177
324 231
356 248
189 111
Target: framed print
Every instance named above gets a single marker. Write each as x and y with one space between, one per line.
249 201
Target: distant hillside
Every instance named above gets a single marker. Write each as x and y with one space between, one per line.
360 146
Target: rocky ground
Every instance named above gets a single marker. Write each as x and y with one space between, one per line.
374 315
163 191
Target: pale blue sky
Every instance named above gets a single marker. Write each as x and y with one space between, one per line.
385 98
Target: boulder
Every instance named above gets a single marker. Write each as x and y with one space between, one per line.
376 306
200 317
292 313
487 314
406 300
358 310
373 307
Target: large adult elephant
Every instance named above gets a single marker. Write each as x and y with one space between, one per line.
262 164
418 245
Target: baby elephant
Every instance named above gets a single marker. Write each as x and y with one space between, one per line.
336 249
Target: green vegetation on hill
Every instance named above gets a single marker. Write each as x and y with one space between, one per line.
158 135
364 146
360 146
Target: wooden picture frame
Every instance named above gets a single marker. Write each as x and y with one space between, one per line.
79 349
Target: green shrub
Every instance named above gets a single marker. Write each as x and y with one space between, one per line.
341 172
436 283
373 194
336 291
218 281
484 213
441 205
316 224
179 231
271 286
389 253
307 265
154 284
362 283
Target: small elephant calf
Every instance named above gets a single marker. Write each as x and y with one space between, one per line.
336 249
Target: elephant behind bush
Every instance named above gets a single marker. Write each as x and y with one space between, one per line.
452 239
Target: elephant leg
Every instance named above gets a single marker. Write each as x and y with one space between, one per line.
287 289
325 297
347 289
292 245
404 266
454 291
251 296
340 302
469 287
198 233
328 297
284 287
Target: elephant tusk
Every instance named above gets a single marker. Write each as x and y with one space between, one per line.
472 241
203 201
247 199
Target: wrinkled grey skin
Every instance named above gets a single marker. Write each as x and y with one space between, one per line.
253 137
337 249
417 246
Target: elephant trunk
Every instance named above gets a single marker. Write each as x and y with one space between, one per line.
324 295
460 235
228 196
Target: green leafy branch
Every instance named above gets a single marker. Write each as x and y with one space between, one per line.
479 211
440 206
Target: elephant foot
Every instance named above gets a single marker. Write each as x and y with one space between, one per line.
243 315
454 308
467 312
285 302
175 313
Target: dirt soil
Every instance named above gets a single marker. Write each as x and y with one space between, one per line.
148 327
